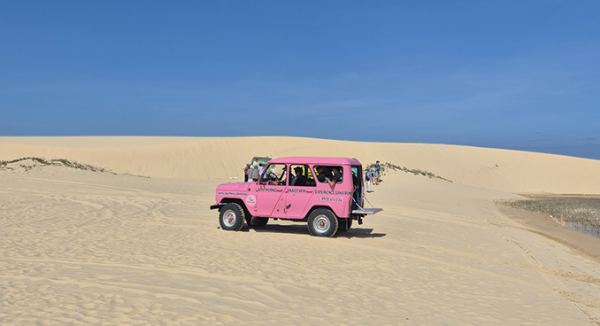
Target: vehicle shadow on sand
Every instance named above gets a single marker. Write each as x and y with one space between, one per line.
359 233
303 229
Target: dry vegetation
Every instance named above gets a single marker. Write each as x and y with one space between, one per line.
578 210
27 163
385 166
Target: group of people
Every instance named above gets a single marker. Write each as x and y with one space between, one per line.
298 179
325 174
372 176
329 174
253 172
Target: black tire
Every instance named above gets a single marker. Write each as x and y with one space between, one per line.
344 224
259 222
231 217
322 223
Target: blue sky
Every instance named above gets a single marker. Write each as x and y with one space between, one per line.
521 75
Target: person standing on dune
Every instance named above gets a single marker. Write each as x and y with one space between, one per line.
246 172
250 172
255 172
373 175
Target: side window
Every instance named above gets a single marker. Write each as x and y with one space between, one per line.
332 173
301 176
274 175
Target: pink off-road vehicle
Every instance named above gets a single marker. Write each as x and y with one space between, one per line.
326 192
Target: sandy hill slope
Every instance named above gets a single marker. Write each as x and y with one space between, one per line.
85 247
210 158
82 247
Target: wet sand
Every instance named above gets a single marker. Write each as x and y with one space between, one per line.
544 225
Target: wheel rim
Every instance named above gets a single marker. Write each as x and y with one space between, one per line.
321 224
229 218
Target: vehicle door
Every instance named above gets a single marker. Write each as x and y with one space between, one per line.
334 185
299 192
357 184
271 187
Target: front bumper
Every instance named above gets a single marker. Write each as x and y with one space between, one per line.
216 206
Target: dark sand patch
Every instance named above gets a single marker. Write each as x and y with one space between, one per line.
544 225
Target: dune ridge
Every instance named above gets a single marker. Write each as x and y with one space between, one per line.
217 158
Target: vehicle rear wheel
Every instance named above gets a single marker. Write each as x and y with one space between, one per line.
259 221
344 224
322 223
231 217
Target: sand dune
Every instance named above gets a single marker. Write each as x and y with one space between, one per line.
82 247
216 158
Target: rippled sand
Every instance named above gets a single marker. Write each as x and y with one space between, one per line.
80 247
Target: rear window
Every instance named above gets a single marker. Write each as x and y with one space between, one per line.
356 175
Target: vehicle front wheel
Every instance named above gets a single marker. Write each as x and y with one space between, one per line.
322 223
231 217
